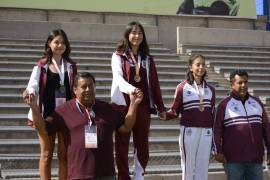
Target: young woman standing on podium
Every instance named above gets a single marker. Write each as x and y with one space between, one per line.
195 99
134 68
52 80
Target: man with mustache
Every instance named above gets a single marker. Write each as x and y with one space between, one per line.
241 130
89 125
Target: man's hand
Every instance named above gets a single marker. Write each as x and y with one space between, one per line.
29 99
135 99
220 158
136 96
162 116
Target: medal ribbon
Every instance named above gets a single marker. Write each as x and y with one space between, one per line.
200 92
137 64
60 72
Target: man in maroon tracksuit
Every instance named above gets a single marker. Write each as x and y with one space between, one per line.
241 130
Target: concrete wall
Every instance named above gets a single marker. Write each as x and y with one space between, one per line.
92 26
122 18
223 37
75 31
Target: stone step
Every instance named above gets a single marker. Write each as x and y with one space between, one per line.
252 76
238 64
30 61
21 120
236 58
17 98
30 161
20 108
94 68
102 48
259 91
100 81
228 48
257 70
13 108
18 89
5 72
17 132
15 146
26 132
154 172
107 54
13 119
229 52
41 42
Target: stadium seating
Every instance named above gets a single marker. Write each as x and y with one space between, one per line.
19 149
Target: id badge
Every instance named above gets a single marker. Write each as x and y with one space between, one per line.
60 97
91 136
59 101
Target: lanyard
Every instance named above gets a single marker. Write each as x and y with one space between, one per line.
78 104
60 72
200 91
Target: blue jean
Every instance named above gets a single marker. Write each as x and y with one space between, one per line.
244 171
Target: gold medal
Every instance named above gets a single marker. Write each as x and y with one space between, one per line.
137 78
201 107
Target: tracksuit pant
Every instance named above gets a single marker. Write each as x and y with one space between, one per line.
195 147
141 149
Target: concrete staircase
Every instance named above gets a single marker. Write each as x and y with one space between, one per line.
94 38
19 148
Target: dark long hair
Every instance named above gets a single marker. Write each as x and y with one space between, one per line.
124 44
52 35
192 58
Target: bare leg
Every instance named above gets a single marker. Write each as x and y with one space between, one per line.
46 155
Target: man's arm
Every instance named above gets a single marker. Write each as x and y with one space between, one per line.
130 119
218 131
31 100
174 111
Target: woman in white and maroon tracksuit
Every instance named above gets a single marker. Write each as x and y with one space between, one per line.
195 100
133 67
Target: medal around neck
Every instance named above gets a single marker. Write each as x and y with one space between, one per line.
137 78
201 107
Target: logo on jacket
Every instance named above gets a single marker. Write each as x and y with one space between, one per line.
252 103
188 93
208 133
235 107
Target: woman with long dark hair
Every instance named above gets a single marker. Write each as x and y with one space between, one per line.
133 68
52 80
